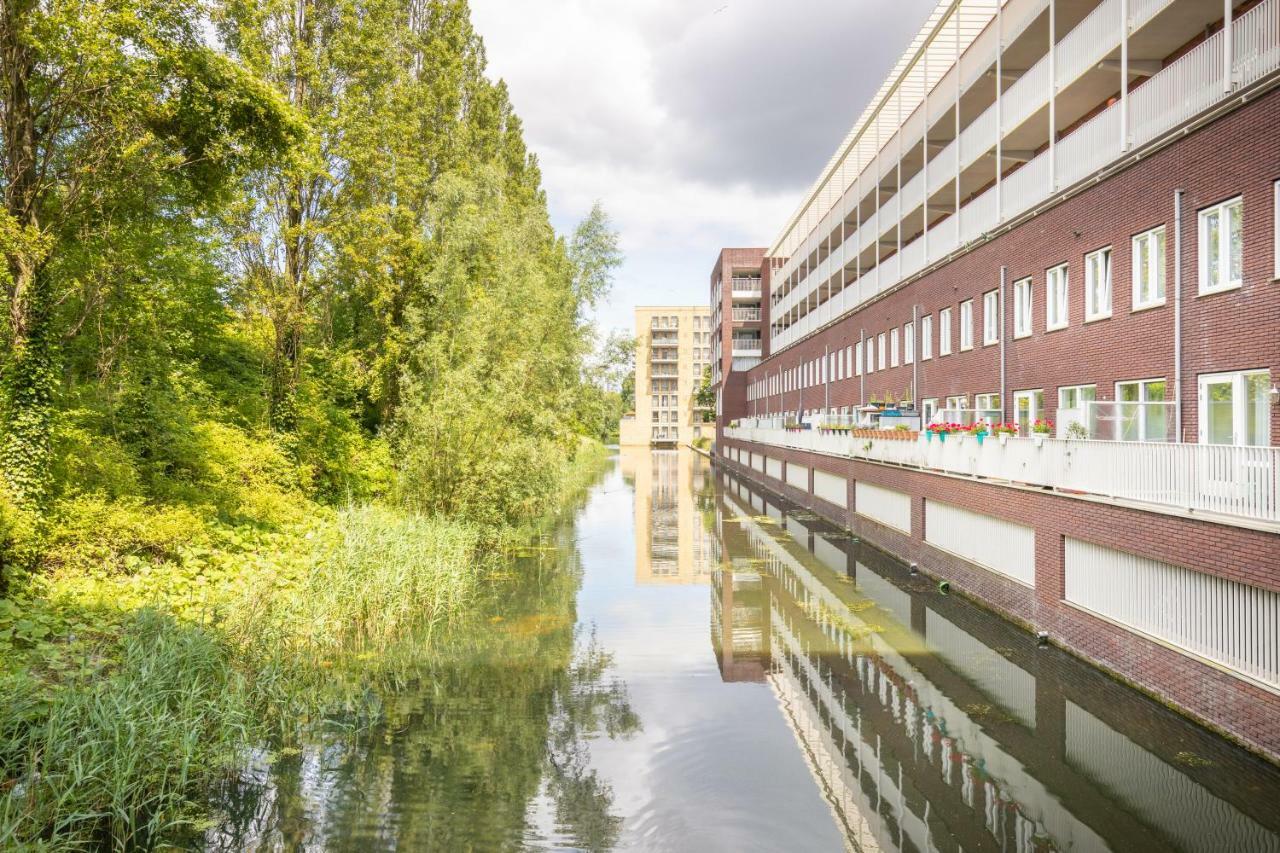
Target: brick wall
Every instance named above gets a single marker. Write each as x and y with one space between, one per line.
1240 709
1235 330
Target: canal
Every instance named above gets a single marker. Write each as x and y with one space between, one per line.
690 663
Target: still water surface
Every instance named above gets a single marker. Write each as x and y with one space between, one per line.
692 664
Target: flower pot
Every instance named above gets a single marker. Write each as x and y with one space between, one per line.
930 436
981 436
942 436
1039 439
1004 439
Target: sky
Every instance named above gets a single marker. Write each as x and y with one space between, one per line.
698 124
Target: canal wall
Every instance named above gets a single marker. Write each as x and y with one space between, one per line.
1032 556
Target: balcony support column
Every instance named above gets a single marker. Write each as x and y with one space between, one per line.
1000 111
1124 74
1053 96
924 151
1004 272
959 215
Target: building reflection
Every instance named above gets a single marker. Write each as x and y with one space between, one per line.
673 544
934 725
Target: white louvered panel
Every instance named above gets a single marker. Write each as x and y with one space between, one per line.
798 476
1230 623
773 467
883 505
831 488
993 543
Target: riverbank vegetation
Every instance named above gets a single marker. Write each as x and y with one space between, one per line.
290 357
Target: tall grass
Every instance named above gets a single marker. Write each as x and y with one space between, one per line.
110 759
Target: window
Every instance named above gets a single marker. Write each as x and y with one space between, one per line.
893 347
1234 408
1074 408
958 403
926 337
909 343
1221 246
990 317
1141 412
989 404
1055 286
966 324
928 408
944 332
857 359
848 361
839 357
1028 407
1022 308
1276 223
1097 284
881 345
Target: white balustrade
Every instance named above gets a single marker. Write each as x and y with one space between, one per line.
913 193
1257 42
1224 480
1028 185
979 216
1091 146
1026 96
1187 87
1086 45
978 138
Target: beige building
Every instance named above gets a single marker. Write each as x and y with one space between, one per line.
673 346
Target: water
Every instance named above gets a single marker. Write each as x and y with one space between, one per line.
693 664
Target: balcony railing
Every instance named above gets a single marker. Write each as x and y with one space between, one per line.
746 315
1226 480
748 287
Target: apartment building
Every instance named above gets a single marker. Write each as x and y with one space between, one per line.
1065 211
738 318
673 348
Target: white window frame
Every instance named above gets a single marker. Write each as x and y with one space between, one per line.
848 362
944 332
893 347
909 343
928 408
1097 295
966 325
1154 268
882 346
1057 294
986 401
1034 412
1275 222
990 318
1238 419
1022 307
926 337
1224 282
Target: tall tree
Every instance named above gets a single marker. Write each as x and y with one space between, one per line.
113 113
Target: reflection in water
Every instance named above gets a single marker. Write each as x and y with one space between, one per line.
837 703
673 545
933 725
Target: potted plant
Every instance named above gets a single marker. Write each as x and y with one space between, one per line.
980 430
1077 430
1003 431
1040 430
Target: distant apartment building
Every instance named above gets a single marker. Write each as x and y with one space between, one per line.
673 348
738 318
673 546
1064 212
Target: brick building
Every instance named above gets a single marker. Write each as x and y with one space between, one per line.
1063 211
673 349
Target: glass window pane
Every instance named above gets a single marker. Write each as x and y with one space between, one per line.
1220 415
1214 247
1236 247
1257 432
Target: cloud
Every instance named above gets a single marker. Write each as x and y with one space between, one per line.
697 123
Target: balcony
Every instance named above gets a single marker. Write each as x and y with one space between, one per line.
1234 483
746 315
747 288
747 347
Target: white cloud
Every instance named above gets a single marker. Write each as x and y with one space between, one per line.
697 123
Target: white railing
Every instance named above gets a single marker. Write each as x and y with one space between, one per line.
978 138
1025 187
913 193
1090 147
746 315
1027 95
1226 480
978 216
1257 42
746 351
1183 89
942 168
1086 45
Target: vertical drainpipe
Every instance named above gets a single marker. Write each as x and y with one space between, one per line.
915 350
1177 312
1003 337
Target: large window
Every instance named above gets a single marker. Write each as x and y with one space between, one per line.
1022 308
989 404
990 317
944 332
882 351
909 343
926 337
1222 246
1097 284
1055 287
966 324
857 359
1141 411
1233 408
848 361
893 347
1028 407
1148 268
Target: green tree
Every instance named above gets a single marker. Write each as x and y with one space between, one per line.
705 396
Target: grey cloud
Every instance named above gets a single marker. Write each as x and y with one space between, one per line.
764 91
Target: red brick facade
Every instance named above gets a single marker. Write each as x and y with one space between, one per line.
732 389
1237 155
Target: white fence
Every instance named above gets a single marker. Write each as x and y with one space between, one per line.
883 505
1232 623
993 543
1222 479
